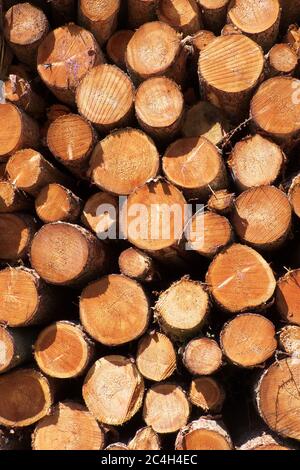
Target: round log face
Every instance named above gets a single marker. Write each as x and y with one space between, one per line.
202 356
287 297
204 434
156 357
24 24
10 134
6 349
253 16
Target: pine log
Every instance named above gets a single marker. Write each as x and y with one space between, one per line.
114 310
62 11
182 15
294 195
26 397
70 426
15 347
204 434
20 131
240 280
141 11
214 13
255 161
64 57
117 164
166 408
116 47
156 357
16 234
18 90
207 394
100 17
73 257
230 29
202 356
56 203
105 97
289 340
223 61
95 215
264 442
221 202
113 390
173 304
137 265
159 106
282 60
53 113
12 199
145 439
248 340
199 41
262 217
287 297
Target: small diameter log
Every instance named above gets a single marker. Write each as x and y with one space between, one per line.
277 397
264 442
19 91
70 426
119 166
166 408
141 11
56 203
202 356
29 171
155 50
220 63
294 195
145 439
240 279
174 303
63 351
25 299
230 29
65 57
11 199
101 18
289 340
248 340
114 310
275 110
182 15
116 47
105 97
288 297
16 234
282 60
15 347
207 394
62 11
262 217
137 265
113 390
204 434
221 202
20 131
214 13
258 20
26 397
201 39
255 161
56 110
196 166
156 357
95 215
159 107
25 27
73 256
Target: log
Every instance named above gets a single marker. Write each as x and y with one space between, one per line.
214 13
100 17
95 215
262 217
73 257
240 279
204 434
166 408
113 390
220 63
182 15
117 164
289 340
282 60
145 439
287 297
137 265
114 310
260 20
16 234
141 11
159 107
292 38
12 199
202 356
277 397
56 203
256 161
70 426
105 97
196 166
294 195
230 29
264 442
63 351
221 202
248 340
172 305
156 357
64 57
116 47
207 394
20 131
15 347
18 90
117 446
201 39
62 11
25 26
26 397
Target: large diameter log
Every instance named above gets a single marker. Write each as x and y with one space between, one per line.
100 17
119 166
113 390
230 68
202 356
20 131
95 215
145 439
240 279
15 347
19 91
221 202
62 350
289 340
264 442
156 357
70 426
287 297
166 408
11 199
214 13
182 15
116 47
64 57
141 11
294 195
248 340
16 234
105 97
137 265
26 397
277 397
262 217
114 310
204 434
56 203
282 60
25 27
207 394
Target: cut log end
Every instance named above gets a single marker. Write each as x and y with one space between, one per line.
287 297
95 215
182 15
221 202
204 434
202 356
116 47
289 340
11 199
6 349
156 357
100 18
294 195
57 203
145 439
206 393
16 234
214 13
282 60
137 265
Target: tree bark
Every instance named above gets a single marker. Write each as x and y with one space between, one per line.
214 14
204 434
12 199
141 11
